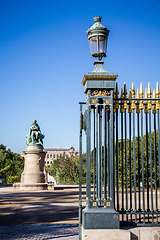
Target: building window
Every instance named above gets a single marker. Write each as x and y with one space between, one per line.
51 162
57 155
54 156
47 155
51 156
48 163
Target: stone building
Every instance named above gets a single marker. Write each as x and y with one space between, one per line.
55 153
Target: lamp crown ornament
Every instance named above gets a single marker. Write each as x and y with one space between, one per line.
97 19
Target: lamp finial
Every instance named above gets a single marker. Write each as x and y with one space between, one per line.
97 19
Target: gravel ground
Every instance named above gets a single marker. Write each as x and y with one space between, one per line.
39 231
39 214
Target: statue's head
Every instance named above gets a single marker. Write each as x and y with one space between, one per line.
35 121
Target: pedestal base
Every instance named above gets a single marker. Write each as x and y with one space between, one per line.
100 218
30 186
33 177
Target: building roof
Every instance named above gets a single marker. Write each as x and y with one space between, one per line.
57 149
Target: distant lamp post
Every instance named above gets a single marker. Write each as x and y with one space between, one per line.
98 36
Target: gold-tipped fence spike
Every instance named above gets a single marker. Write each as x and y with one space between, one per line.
141 90
154 95
130 96
133 91
157 96
138 109
157 89
130 93
133 105
116 92
141 93
122 102
116 96
146 105
121 92
125 90
145 94
154 105
125 96
149 95
149 89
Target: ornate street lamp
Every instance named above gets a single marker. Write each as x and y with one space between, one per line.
98 124
98 36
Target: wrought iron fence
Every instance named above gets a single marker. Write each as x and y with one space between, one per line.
123 167
137 155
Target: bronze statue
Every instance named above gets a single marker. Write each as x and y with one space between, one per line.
34 137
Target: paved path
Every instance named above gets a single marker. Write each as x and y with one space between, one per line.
39 231
40 214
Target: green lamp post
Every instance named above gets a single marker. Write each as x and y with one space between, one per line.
98 119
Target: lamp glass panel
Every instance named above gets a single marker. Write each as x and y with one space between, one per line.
102 42
93 44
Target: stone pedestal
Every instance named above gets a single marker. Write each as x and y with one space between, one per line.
100 218
102 223
33 176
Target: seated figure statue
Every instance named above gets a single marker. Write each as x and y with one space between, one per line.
34 136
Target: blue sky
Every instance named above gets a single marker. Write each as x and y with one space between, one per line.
44 53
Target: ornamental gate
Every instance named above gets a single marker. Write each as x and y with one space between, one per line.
122 152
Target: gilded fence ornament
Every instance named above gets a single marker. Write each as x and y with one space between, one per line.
125 96
122 102
138 109
154 103
157 96
116 96
146 103
141 93
149 95
133 105
130 96
101 93
93 101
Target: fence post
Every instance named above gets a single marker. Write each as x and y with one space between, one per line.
99 212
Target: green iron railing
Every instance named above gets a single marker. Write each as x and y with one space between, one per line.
124 169
138 154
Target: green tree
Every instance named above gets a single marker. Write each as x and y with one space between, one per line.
138 159
66 170
11 165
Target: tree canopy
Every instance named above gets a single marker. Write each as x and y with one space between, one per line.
11 165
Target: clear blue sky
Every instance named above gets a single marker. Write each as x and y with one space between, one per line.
44 53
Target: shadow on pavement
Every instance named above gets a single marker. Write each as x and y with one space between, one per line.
45 207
